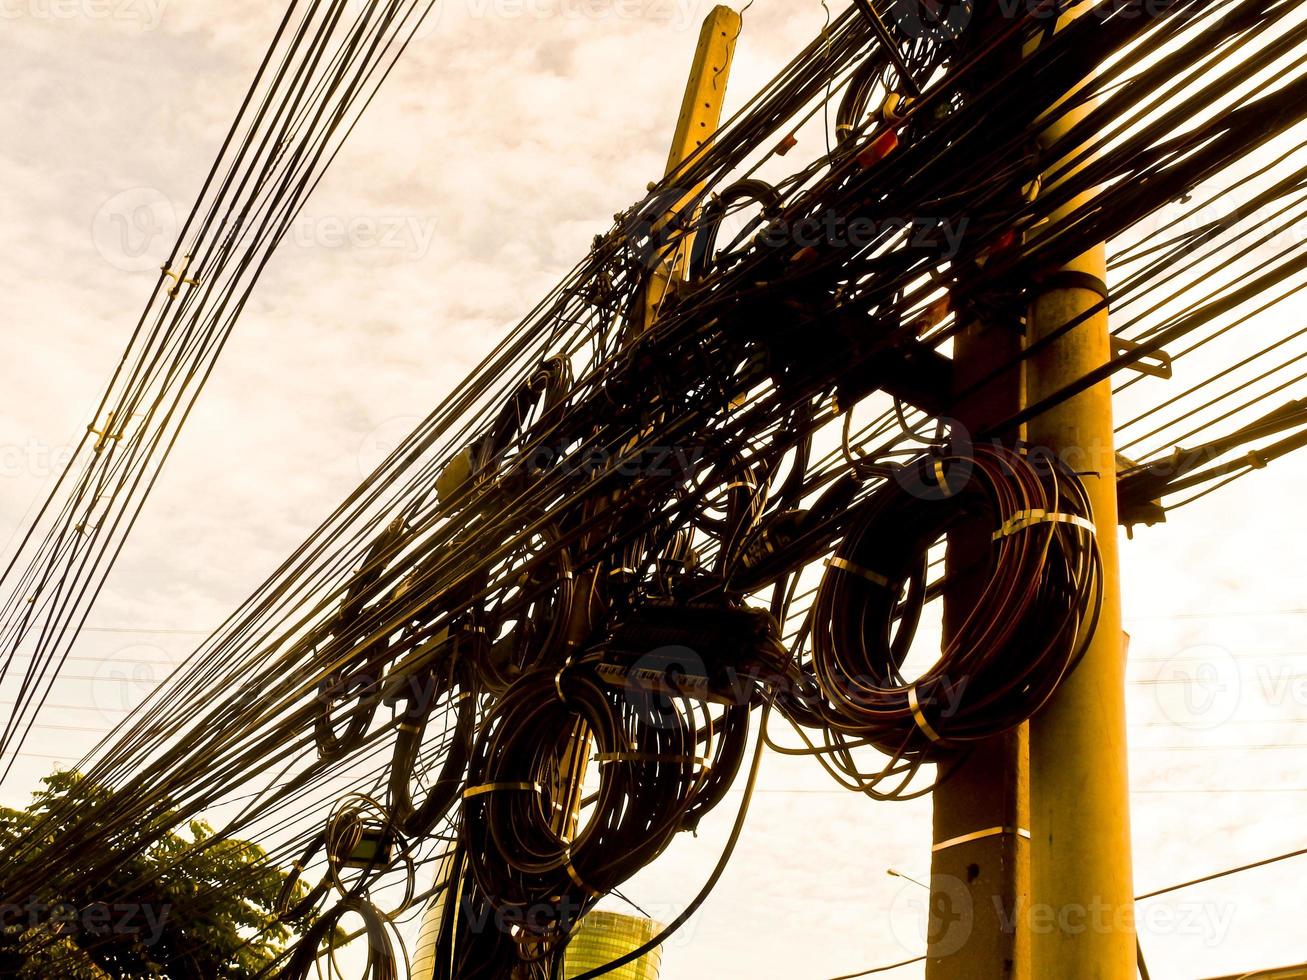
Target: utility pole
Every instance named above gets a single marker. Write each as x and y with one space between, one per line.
1031 868
701 112
980 855
1082 916
980 852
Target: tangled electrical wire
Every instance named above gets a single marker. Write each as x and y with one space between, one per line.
1001 661
535 638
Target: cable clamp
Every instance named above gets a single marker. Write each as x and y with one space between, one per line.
1023 519
577 879
920 718
841 565
981 835
558 679
473 791
941 478
105 435
179 276
1155 363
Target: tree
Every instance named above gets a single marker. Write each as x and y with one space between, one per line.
185 906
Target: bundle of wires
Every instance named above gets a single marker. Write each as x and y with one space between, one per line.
535 491
323 68
1012 648
539 852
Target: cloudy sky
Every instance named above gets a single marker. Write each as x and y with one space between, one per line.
507 139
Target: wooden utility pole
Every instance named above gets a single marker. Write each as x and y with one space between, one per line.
1082 912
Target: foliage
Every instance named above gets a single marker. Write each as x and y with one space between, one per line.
181 904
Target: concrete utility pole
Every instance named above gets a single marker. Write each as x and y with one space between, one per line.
980 857
1031 873
701 114
1082 912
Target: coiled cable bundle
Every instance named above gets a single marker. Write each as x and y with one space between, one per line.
1025 632
537 850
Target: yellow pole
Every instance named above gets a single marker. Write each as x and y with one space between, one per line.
980 857
1082 911
701 111
701 114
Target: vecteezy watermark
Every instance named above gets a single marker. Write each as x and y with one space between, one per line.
142 920
412 27
919 18
132 230
680 15
941 235
403 235
648 231
121 682
33 458
941 919
590 462
376 447
950 18
146 14
1200 687
543 918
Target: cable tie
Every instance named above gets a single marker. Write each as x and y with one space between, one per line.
941 479
841 565
1029 518
558 679
577 879
917 716
484 788
981 835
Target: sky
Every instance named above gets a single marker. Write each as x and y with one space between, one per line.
507 138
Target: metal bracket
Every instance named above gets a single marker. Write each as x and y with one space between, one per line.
1157 364
179 276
